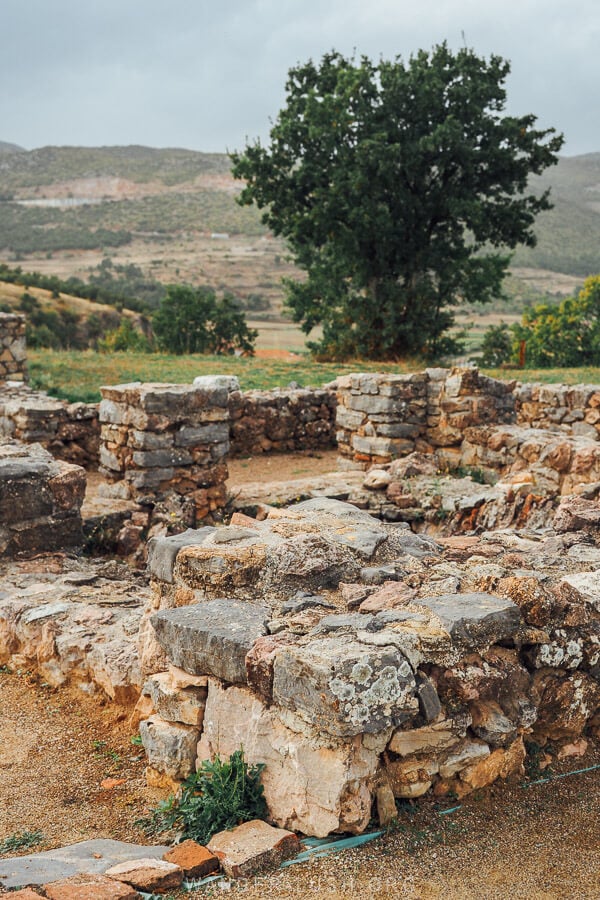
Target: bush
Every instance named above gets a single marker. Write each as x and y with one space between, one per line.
565 335
194 320
496 346
219 796
124 338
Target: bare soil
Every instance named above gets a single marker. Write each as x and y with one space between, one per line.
280 467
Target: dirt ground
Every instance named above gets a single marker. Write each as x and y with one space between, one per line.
280 467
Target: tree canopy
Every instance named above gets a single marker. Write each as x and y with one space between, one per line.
400 187
195 320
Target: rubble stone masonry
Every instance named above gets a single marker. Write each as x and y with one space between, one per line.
13 355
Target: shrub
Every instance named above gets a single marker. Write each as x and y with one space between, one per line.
219 796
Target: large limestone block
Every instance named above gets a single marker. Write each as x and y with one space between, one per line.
313 784
211 638
475 620
344 687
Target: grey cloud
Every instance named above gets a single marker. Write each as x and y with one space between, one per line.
197 74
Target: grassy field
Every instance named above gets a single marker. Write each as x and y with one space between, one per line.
79 375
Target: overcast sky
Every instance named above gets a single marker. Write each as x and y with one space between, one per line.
207 75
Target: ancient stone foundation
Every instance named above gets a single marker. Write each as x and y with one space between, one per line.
382 417
281 421
358 660
168 438
13 355
40 501
69 431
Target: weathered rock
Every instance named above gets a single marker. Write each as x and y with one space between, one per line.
428 739
343 687
412 778
577 514
467 754
253 847
313 783
475 620
491 725
583 587
84 887
500 764
162 552
149 875
386 805
211 638
566 705
170 748
193 859
174 704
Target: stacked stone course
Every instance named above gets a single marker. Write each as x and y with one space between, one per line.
281 420
380 417
163 438
40 501
357 660
573 408
69 431
13 355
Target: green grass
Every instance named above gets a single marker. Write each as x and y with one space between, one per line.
78 375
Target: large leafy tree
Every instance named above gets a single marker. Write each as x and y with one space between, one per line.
400 187
195 320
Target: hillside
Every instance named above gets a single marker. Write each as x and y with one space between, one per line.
173 213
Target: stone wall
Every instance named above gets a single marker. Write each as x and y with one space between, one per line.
381 417
70 431
13 355
40 501
167 438
281 421
359 661
573 408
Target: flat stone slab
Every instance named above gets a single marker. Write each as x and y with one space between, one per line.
475 620
162 551
93 857
211 638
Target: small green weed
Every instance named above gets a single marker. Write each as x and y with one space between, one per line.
220 795
136 740
21 840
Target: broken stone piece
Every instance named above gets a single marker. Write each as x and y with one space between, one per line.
84 887
195 860
170 748
149 875
475 620
253 847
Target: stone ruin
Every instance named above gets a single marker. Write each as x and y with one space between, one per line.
13 355
40 501
405 629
